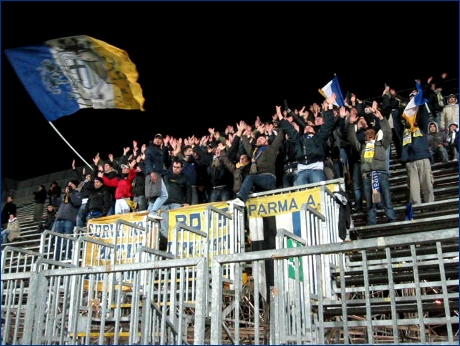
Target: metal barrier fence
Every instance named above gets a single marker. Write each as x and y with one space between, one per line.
285 209
391 305
118 288
224 234
52 306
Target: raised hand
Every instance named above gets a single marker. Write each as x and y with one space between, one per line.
257 122
331 100
96 159
278 114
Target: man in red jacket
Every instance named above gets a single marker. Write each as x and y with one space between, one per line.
123 185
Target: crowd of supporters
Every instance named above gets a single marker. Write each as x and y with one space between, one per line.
318 142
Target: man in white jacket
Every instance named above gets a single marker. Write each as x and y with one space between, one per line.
12 231
449 113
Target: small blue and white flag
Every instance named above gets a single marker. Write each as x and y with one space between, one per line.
333 87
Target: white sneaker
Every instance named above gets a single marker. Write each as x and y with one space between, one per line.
238 202
155 216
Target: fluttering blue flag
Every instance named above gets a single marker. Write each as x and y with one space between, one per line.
67 74
333 87
410 112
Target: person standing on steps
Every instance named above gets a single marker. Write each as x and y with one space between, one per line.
374 163
416 153
39 200
8 209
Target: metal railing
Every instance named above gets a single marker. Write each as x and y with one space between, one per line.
118 288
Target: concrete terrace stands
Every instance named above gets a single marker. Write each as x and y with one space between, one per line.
386 282
446 191
24 199
410 289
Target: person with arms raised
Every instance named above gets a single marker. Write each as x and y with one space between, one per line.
263 165
240 169
310 144
373 164
416 153
123 187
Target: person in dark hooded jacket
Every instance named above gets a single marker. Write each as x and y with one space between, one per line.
437 143
99 202
39 199
54 194
8 209
48 220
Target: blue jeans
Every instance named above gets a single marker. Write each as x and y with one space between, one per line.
111 209
63 227
165 215
340 163
385 194
309 176
141 202
439 153
5 234
157 202
290 178
337 168
221 194
81 217
358 185
262 181
93 215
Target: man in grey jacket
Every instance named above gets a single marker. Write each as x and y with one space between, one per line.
374 165
66 219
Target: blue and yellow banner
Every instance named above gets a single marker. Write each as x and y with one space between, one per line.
285 203
67 74
194 216
127 239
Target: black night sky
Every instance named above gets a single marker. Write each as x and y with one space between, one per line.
211 64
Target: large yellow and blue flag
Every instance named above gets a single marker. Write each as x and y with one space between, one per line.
333 87
67 74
